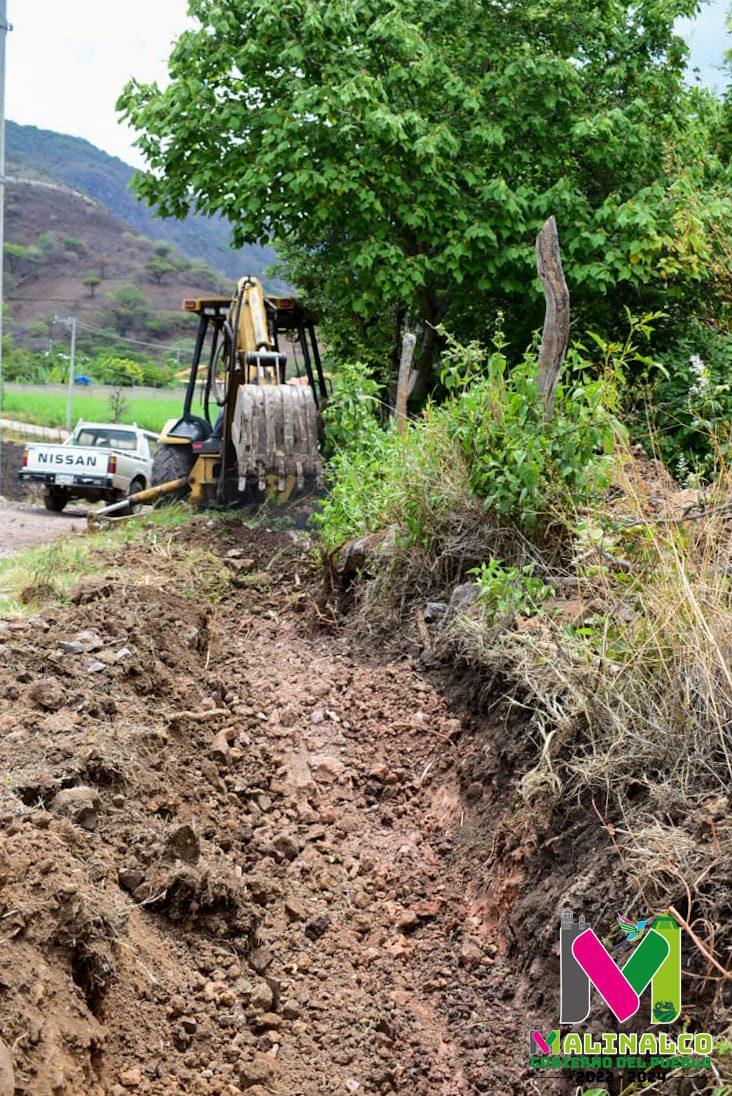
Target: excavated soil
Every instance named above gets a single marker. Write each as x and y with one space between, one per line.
11 456
243 851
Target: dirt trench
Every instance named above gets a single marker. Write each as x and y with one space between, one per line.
244 851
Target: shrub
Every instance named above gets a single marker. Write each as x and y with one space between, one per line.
488 442
156 375
350 418
118 371
685 415
505 591
523 468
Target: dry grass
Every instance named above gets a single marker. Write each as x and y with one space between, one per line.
631 700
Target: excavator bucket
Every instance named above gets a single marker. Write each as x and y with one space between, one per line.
275 434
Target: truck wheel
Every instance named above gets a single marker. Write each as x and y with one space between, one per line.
133 507
172 462
55 499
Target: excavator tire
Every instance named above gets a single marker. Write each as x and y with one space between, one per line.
171 462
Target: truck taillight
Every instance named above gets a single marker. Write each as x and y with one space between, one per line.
25 459
112 468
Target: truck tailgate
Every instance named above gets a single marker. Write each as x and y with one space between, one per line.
73 459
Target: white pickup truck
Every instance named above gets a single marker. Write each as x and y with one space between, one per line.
99 461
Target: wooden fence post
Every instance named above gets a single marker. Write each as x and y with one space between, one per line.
405 363
555 336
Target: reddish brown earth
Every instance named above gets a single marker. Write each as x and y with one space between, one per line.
244 851
236 855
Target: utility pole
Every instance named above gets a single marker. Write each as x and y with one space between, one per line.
4 28
71 321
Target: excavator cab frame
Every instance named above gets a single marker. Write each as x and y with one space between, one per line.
239 344
286 317
266 435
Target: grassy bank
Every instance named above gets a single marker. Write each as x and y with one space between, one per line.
589 597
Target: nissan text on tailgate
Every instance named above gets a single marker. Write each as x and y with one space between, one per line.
99 461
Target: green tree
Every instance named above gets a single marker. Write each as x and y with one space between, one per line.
72 244
203 277
119 371
20 364
91 281
158 266
20 259
156 374
128 309
405 155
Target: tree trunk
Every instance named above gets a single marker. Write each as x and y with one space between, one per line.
555 336
422 366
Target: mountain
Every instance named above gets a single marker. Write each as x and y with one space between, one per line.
33 152
67 255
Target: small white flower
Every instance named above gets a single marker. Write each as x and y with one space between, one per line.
700 375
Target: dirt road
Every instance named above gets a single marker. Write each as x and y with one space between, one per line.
25 524
244 850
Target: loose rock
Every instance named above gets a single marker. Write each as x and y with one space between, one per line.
80 804
183 844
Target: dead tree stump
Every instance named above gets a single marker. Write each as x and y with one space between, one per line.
555 336
403 384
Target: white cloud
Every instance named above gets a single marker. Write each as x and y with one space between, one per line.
67 63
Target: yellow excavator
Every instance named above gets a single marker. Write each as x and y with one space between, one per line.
259 431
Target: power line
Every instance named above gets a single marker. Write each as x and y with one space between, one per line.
135 342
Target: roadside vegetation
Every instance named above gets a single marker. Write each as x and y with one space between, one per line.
44 575
97 358
580 583
579 568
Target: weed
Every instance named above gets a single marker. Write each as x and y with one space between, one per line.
351 415
489 440
505 591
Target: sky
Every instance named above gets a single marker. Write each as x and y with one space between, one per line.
68 62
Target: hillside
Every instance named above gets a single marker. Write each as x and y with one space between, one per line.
32 152
57 240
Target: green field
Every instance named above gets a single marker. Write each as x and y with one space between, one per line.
49 408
